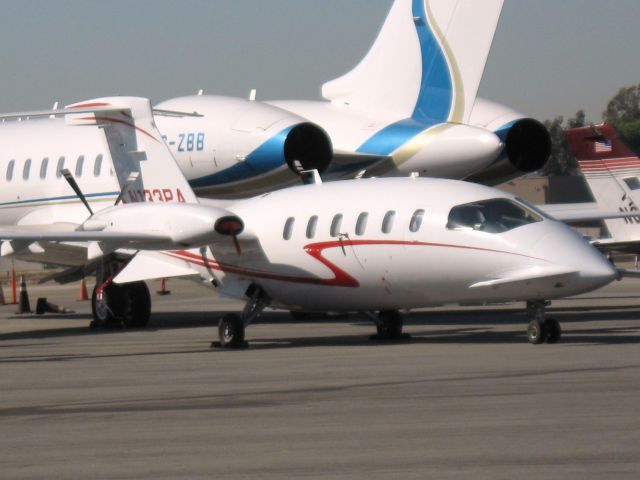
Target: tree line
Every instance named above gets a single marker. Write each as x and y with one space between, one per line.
623 112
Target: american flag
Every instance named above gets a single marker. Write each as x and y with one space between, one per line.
603 146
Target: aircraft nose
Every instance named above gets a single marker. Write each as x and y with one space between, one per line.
567 248
596 269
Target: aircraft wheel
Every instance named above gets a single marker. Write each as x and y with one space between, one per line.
389 325
231 331
536 332
554 332
104 311
136 305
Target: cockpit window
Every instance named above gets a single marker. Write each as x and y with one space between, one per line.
492 216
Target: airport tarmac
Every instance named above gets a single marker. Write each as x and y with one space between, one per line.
466 397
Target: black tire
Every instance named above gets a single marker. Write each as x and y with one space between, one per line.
231 331
536 332
105 313
554 331
389 325
135 309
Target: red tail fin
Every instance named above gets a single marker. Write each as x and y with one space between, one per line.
599 149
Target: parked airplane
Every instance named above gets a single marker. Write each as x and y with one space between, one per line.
612 172
425 242
409 106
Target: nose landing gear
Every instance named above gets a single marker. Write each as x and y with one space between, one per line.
542 329
231 327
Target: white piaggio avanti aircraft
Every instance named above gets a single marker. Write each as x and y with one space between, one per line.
409 106
368 245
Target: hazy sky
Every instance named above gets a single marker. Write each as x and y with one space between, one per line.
549 57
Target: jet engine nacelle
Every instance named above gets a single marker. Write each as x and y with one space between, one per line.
527 143
230 146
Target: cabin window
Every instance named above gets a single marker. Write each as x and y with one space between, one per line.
416 220
492 216
387 222
60 167
311 226
10 167
43 168
97 166
79 165
336 223
361 223
26 169
288 228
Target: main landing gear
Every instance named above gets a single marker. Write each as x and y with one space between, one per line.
114 305
542 329
388 325
126 305
231 327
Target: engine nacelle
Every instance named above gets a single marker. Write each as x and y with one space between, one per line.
230 146
527 143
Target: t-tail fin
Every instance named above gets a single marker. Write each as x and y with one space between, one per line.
612 172
136 146
426 63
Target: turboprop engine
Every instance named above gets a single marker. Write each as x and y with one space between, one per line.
235 147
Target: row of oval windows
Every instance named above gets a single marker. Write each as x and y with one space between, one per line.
44 164
361 224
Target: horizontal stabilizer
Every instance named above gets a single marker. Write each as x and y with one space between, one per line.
153 265
628 273
575 213
610 245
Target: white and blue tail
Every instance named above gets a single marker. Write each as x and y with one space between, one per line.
612 172
426 63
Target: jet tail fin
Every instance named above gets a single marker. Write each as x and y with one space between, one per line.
426 63
612 172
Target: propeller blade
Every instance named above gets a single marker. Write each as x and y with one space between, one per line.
72 182
131 179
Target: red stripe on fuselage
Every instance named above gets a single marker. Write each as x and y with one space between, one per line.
341 278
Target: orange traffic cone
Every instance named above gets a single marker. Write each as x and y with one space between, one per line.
163 288
83 291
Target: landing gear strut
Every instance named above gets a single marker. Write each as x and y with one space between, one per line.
231 327
542 329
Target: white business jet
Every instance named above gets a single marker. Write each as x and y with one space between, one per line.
409 106
385 245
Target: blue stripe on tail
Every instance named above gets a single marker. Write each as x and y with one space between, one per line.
435 97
